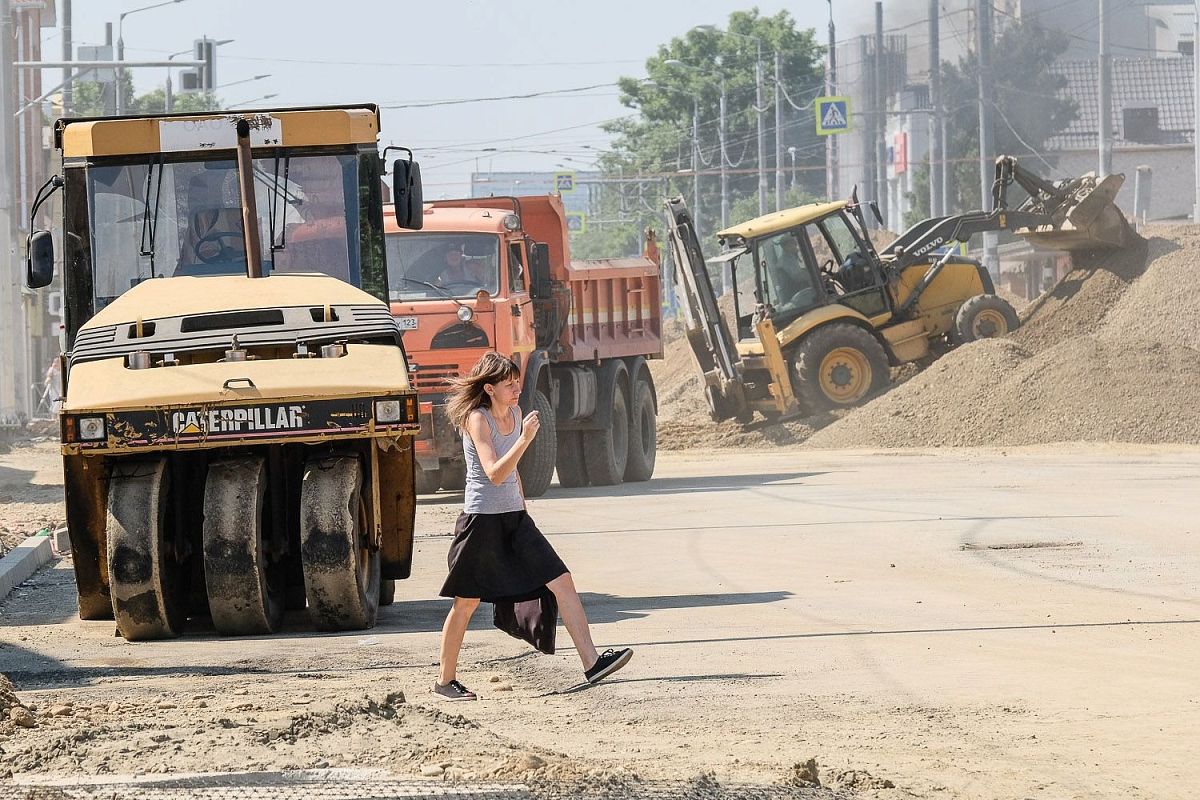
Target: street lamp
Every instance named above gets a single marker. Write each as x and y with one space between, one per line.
121 48
758 107
245 103
243 80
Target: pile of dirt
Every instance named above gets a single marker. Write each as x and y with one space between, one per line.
1102 357
1108 354
1076 304
683 415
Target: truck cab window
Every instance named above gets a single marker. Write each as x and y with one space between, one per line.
429 266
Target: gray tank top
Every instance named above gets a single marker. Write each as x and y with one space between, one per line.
481 496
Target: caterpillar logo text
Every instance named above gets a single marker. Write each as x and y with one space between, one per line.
238 420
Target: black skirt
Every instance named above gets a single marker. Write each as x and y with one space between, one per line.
500 558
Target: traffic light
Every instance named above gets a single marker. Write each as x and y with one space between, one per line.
206 51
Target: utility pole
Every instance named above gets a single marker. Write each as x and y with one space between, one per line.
868 128
68 54
696 164
724 160
987 155
14 399
936 163
778 132
1196 107
831 141
762 134
1105 95
881 98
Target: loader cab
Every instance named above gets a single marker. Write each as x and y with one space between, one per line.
788 270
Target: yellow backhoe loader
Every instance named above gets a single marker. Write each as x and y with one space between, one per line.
819 315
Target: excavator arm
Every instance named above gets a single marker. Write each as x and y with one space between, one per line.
708 333
1075 214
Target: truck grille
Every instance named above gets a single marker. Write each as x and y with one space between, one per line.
434 377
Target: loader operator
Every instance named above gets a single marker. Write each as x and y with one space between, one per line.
789 276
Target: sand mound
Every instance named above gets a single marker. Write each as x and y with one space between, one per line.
1077 303
683 417
996 393
1111 353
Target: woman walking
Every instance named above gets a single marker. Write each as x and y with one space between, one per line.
498 554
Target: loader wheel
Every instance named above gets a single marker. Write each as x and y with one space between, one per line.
341 568
146 580
639 465
984 316
387 592
837 365
605 451
245 589
569 460
537 464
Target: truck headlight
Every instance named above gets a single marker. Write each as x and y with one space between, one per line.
465 314
91 429
387 411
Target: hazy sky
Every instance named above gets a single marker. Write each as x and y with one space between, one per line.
402 52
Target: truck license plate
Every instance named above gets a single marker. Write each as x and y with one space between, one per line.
407 323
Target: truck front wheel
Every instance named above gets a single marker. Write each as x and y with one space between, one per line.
537 465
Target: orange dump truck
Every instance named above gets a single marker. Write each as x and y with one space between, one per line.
496 273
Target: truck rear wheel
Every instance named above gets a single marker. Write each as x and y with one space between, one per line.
605 451
387 592
984 316
453 476
537 464
569 460
341 569
245 591
643 428
427 481
146 580
837 365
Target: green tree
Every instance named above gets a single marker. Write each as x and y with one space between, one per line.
1029 109
654 144
88 99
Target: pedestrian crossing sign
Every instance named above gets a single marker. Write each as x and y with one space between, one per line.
833 115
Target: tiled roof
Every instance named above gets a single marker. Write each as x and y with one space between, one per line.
1165 83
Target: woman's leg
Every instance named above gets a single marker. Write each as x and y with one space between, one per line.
571 609
452 636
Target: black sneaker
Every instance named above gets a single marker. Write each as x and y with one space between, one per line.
453 691
609 662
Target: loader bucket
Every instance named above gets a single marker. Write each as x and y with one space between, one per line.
1088 222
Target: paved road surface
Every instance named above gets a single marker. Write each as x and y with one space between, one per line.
963 623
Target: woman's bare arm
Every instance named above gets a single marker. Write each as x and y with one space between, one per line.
498 469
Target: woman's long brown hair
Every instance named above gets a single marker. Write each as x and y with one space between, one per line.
468 393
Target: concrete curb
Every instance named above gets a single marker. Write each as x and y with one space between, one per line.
22 561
